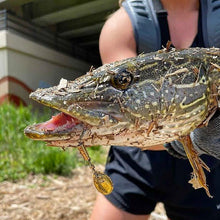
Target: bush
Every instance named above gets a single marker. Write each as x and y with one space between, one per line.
20 156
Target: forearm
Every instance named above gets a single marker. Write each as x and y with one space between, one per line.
156 147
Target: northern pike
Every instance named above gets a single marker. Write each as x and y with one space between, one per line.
147 100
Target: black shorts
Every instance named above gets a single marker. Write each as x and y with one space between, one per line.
143 178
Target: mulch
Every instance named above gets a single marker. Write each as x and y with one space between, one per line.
52 197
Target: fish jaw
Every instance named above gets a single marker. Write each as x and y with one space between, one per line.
59 127
63 130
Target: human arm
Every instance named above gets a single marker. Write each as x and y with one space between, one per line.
117 39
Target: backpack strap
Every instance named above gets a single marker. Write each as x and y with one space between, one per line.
211 22
145 24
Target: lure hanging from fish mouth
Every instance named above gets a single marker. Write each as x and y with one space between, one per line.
102 182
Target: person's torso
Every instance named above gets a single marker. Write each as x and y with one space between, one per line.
167 31
151 29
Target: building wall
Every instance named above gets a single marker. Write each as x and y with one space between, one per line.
26 65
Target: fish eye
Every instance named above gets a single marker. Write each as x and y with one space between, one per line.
122 80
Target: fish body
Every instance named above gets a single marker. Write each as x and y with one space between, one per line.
143 101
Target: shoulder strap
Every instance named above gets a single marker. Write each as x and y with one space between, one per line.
145 24
211 22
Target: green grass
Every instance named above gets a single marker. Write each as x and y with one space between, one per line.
20 156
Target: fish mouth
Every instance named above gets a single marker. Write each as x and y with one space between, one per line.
63 127
75 117
59 127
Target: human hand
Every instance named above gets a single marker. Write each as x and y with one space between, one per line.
206 140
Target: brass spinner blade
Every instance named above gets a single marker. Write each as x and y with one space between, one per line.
102 182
